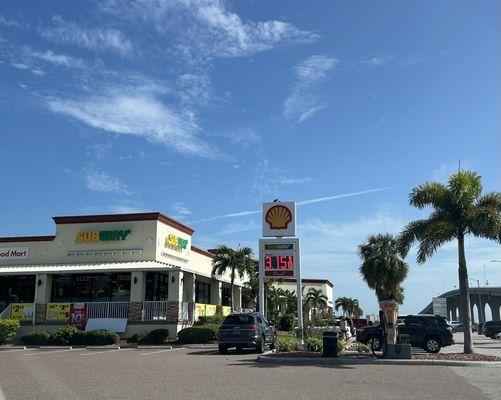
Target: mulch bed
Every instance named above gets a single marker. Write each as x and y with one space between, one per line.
455 357
423 356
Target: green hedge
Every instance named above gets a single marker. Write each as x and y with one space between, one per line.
8 329
314 344
287 344
198 334
156 336
36 338
211 320
68 335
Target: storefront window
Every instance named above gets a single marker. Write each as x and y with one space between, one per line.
157 286
16 289
202 292
91 287
226 296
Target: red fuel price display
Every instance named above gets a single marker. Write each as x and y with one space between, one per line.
278 265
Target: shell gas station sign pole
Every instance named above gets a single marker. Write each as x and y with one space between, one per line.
279 252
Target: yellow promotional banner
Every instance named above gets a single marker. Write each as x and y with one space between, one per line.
199 310
21 310
226 310
210 310
58 311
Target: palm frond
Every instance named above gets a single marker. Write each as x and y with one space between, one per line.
428 194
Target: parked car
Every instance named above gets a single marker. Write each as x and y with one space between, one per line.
491 328
360 322
480 328
246 330
431 332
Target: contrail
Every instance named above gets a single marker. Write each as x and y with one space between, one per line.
299 203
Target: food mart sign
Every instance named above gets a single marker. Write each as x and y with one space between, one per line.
14 253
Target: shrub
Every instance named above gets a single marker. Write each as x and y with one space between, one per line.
196 334
212 320
98 337
64 335
287 344
138 337
363 348
340 346
314 344
156 336
8 329
286 322
36 338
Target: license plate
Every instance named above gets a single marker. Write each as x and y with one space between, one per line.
236 333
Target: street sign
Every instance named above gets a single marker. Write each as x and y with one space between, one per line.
279 257
279 219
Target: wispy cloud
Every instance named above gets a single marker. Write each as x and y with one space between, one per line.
442 173
100 181
299 203
138 115
180 210
10 22
58 59
379 60
302 102
209 28
294 181
96 39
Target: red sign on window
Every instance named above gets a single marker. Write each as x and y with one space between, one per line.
78 315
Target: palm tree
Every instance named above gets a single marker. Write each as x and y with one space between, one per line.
237 262
344 303
383 267
316 299
350 306
459 209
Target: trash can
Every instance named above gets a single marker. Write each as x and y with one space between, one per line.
329 340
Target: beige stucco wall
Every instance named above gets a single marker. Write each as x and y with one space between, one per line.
149 237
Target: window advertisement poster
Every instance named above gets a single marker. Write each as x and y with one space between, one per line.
21 311
210 310
199 310
58 311
78 315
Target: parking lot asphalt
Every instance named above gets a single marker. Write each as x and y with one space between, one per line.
204 374
482 344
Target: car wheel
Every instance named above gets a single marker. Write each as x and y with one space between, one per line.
260 347
223 350
375 343
432 345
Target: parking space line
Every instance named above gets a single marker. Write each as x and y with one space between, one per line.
161 351
104 351
51 352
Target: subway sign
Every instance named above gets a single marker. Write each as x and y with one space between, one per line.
175 242
102 236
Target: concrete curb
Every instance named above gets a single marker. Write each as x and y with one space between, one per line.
266 359
2 348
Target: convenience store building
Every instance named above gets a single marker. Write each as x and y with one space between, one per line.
126 272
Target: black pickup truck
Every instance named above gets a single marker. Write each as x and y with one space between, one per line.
431 332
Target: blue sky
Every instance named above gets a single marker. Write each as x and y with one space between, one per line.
204 109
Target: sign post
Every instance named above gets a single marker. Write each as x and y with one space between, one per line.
279 257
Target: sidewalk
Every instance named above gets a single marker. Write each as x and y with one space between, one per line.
482 344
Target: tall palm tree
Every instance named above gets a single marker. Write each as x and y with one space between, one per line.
316 299
383 267
237 262
344 303
459 209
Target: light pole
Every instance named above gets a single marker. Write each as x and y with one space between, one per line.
480 308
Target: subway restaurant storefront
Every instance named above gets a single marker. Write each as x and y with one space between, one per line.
125 272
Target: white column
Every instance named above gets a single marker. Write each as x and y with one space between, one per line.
237 296
216 288
43 289
137 286
189 287
175 286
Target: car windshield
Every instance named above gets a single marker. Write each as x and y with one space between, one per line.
239 320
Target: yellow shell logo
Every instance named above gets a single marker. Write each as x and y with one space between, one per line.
278 217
